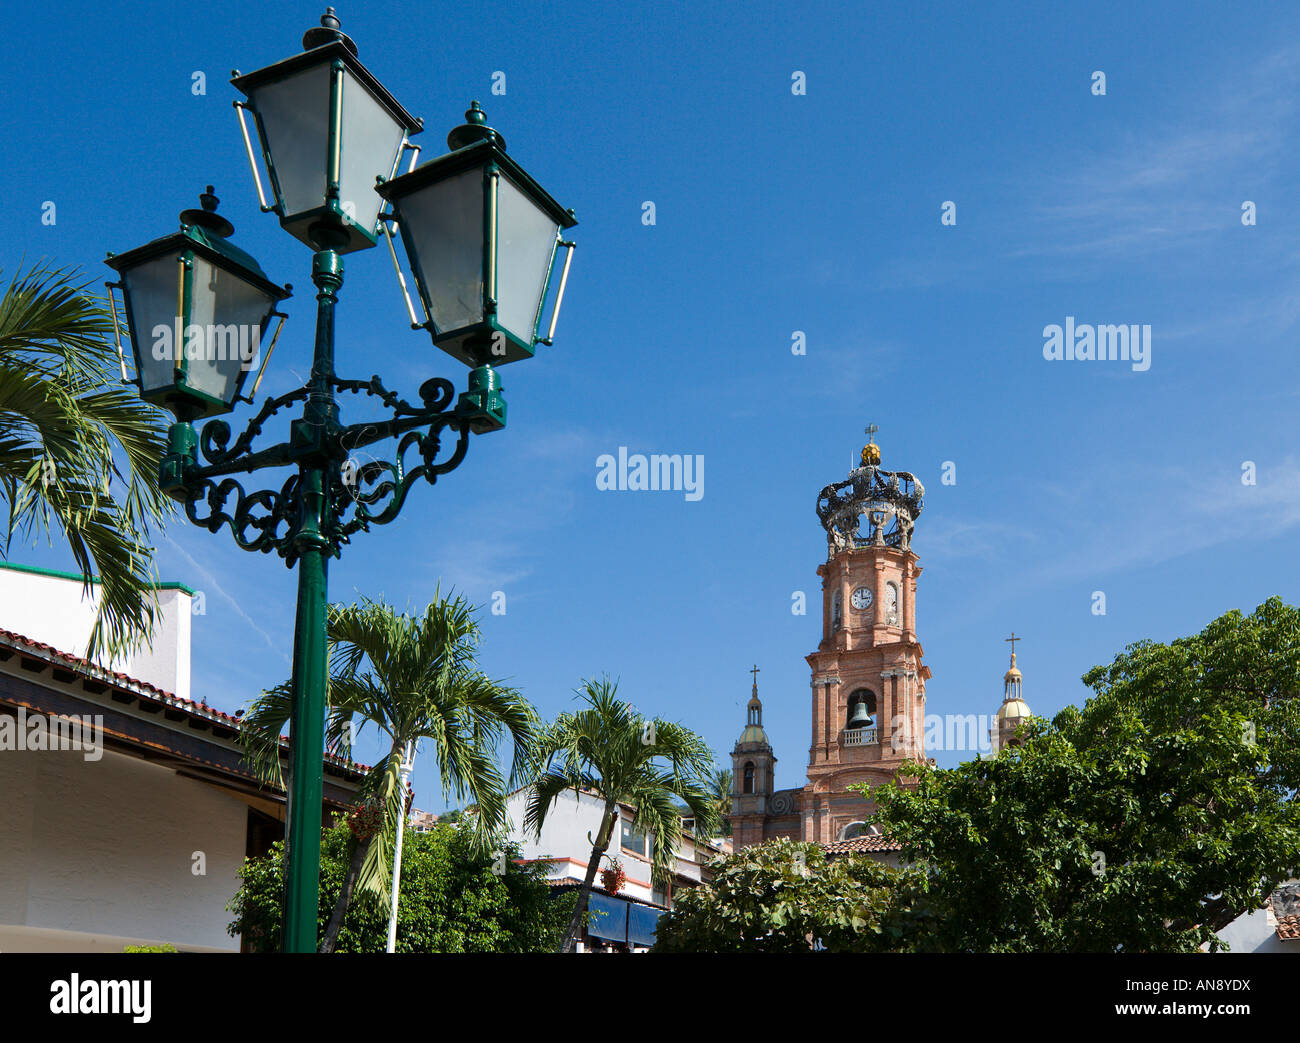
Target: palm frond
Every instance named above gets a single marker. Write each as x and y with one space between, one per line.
609 748
78 451
263 723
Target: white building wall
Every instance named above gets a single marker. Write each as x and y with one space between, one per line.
565 836
56 611
99 854
167 663
1256 932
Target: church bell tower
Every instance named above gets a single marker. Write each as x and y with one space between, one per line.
868 681
753 774
1014 713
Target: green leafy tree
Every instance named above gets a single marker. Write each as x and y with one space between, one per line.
79 450
1145 821
787 896
416 679
453 899
610 750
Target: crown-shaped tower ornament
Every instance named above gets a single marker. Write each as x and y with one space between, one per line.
888 501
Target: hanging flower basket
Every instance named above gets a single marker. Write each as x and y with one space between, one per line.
613 876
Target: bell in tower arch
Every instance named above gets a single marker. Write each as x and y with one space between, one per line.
860 717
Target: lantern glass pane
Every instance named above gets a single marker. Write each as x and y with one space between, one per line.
152 302
445 224
371 140
525 244
228 317
295 117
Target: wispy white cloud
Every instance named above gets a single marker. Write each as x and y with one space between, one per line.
210 584
1179 180
1180 511
949 538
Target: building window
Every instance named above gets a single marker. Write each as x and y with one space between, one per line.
836 611
853 829
633 841
749 777
891 604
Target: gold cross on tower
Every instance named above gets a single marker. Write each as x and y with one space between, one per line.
870 431
755 672
1013 639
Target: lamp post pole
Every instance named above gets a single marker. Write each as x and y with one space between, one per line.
307 728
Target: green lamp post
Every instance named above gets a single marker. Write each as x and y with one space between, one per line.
332 139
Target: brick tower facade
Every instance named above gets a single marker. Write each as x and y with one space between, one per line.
868 679
753 767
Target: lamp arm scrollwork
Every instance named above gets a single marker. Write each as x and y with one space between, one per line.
213 442
358 495
252 531
386 482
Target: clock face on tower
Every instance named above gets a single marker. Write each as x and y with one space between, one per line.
862 598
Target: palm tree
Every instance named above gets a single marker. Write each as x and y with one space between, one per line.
79 450
608 749
720 787
417 680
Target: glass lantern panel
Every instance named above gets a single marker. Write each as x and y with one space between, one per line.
371 140
445 224
227 320
295 117
153 299
525 244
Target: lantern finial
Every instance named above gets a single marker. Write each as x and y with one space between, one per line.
474 130
327 32
208 219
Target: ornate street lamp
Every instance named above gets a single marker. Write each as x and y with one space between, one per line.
330 133
197 309
481 237
324 104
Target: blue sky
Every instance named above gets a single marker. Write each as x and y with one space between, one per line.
774 213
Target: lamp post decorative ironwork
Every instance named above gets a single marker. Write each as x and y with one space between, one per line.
481 238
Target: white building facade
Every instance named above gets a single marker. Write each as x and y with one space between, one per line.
127 809
565 844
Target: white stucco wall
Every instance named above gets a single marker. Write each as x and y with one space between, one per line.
56 611
97 855
565 836
1256 932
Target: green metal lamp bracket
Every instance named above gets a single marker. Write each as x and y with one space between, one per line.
356 494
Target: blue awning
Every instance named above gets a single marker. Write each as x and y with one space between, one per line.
641 924
608 917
